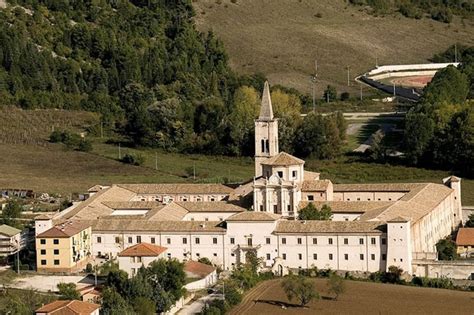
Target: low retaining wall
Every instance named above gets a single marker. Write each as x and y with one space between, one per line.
401 74
457 269
409 94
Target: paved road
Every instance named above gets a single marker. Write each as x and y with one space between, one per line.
197 306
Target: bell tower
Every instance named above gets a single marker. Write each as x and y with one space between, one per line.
266 132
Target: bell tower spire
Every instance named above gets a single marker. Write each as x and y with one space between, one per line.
266 132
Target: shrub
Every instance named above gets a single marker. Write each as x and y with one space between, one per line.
56 136
345 96
85 146
442 15
440 283
133 159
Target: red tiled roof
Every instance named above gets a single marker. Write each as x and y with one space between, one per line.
465 237
143 250
199 269
68 307
66 229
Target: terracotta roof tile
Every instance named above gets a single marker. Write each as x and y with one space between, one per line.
178 188
283 159
315 185
143 249
253 216
156 226
328 227
465 237
349 206
399 187
211 206
198 269
68 307
66 229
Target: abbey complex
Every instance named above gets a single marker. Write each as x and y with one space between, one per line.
373 226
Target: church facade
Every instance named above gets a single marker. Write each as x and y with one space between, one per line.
373 227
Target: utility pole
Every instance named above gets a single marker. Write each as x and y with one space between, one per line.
455 53
156 160
101 129
194 170
394 93
120 155
376 62
360 85
313 83
348 75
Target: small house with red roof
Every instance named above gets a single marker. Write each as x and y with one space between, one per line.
136 256
204 275
465 242
73 307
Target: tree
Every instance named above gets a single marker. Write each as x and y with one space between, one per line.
68 291
330 94
113 303
336 285
470 221
143 306
167 277
205 260
446 249
419 129
133 159
11 212
310 212
449 85
300 288
393 275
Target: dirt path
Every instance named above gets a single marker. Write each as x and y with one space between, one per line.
254 294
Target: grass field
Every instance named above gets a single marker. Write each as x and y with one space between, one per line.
282 38
359 298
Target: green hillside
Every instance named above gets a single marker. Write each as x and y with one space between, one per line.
282 38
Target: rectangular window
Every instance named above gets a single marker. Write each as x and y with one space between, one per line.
139 239
315 256
310 197
280 174
42 241
152 240
99 239
330 241
361 256
197 240
56 242
117 240
139 259
249 242
168 240
214 240
56 262
372 256
361 241
56 252
232 240
43 252
275 208
346 256
346 241
185 240
384 256
130 241
268 240
299 240
283 240
300 256
295 174
315 241
384 241
330 256
372 240
283 256
43 262
268 257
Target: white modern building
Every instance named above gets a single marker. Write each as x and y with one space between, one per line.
374 226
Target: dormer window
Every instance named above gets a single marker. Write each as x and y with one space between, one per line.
280 174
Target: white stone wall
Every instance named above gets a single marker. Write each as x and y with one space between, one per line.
316 250
399 245
345 216
132 264
367 196
167 198
207 216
